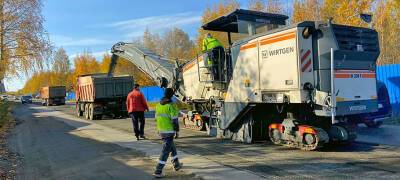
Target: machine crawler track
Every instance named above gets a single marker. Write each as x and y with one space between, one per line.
320 138
195 123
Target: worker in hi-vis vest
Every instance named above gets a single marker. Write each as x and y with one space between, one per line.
216 54
168 127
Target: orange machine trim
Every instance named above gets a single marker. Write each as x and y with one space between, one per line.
270 40
190 65
347 75
282 38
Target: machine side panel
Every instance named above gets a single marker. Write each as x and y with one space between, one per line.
196 84
355 86
306 66
278 61
244 86
245 76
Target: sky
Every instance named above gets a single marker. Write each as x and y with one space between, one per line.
95 25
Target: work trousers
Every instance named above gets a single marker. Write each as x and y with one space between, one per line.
138 122
168 148
217 56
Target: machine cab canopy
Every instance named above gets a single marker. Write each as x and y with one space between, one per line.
246 22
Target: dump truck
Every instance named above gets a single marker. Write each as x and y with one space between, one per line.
298 85
98 95
53 95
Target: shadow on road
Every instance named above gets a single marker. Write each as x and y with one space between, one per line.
55 150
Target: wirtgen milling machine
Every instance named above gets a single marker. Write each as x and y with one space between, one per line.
299 85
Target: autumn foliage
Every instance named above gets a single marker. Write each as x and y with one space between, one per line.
176 43
85 63
386 19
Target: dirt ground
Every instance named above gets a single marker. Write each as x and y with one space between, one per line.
8 160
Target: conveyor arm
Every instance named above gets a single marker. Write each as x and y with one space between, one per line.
165 72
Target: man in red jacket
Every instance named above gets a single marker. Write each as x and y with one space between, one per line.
136 105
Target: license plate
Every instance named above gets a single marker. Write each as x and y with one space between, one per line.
358 108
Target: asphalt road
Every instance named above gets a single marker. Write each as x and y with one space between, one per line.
359 160
51 151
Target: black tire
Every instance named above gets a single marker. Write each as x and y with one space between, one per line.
86 111
373 124
91 112
79 113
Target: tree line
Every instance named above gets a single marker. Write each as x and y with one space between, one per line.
176 43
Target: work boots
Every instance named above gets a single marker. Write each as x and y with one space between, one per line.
158 171
177 164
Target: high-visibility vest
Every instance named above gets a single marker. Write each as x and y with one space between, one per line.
164 117
210 43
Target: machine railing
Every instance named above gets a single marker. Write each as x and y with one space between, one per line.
223 68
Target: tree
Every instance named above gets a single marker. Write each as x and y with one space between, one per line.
306 10
177 45
152 42
269 6
346 12
61 67
61 61
387 23
257 5
125 67
85 63
24 44
211 13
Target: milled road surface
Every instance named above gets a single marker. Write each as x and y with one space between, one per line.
51 151
357 161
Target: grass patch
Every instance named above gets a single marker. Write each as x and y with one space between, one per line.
4 110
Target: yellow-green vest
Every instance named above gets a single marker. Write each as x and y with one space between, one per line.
164 116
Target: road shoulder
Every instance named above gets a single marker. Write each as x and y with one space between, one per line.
8 159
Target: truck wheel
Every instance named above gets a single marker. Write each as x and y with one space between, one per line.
79 113
87 111
91 112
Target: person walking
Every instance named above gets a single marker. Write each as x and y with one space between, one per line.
136 105
168 128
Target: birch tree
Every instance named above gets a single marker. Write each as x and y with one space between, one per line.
24 44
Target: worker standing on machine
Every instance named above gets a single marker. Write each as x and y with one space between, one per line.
215 52
168 128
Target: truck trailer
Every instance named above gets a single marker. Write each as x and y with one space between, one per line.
299 85
98 95
53 95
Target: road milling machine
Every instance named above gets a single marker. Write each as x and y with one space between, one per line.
298 85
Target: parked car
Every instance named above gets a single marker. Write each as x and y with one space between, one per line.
4 97
375 119
26 99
